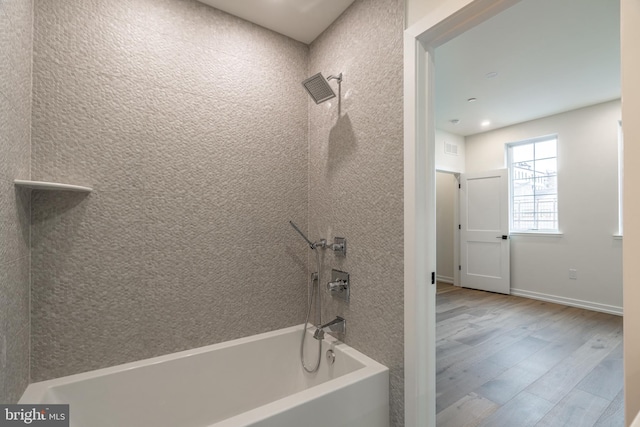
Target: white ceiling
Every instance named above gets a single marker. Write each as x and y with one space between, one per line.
550 55
302 20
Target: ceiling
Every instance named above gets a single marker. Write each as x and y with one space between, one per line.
302 20
550 56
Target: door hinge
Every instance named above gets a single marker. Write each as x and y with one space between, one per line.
460 268
459 185
459 227
433 277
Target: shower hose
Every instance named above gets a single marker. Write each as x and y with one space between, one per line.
310 293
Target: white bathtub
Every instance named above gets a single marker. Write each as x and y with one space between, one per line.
253 381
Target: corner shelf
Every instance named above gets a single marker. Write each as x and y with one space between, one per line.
42 185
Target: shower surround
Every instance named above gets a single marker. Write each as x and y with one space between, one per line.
16 27
172 112
193 129
356 178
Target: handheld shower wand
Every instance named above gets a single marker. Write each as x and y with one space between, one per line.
315 278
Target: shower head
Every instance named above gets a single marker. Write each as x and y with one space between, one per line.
319 88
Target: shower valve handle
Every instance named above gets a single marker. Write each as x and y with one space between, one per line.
339 246
337 286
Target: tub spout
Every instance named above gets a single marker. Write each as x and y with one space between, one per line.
338 325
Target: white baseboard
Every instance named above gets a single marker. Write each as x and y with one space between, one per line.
604 308
444 279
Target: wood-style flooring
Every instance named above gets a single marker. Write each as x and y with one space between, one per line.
516 362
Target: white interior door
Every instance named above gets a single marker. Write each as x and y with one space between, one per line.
484 231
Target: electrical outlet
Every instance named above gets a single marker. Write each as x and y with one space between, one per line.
573 274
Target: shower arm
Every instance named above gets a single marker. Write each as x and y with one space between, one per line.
322 243
339 244
338 78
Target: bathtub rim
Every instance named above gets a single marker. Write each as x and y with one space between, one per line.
36 392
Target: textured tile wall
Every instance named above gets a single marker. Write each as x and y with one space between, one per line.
356 178
16 35
191 126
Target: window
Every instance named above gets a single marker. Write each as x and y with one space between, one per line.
533 173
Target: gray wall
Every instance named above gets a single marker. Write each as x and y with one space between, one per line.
16 35
356 177
191 126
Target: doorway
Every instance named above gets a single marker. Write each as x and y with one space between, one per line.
442 25
522 58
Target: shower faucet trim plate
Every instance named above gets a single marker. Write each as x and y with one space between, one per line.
339 246
339 287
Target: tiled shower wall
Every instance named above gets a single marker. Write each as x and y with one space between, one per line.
191 126
16 35
356 178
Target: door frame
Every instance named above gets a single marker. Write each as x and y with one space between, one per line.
456 222
446 21
449 20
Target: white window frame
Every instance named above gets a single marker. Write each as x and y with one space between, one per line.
509 159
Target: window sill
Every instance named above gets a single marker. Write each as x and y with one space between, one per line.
536 234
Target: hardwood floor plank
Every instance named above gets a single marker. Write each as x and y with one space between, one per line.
506 314
452 386
453 326
452 312
544 316
563 377
466 412
511 361
442 288
553 353
524 410
446 348
604 380
459 298
473 335
518 351
578 408
613 416
572 318
507 385
462 359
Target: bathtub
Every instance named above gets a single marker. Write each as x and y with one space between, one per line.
253 381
